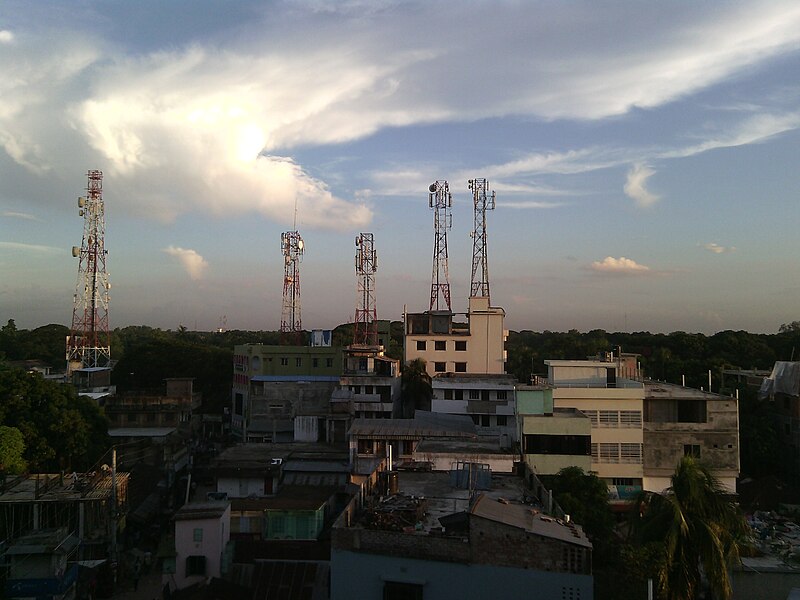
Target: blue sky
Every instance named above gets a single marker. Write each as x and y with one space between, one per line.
644 157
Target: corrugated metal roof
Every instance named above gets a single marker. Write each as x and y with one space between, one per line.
424 424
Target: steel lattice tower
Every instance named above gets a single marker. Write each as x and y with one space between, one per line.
291 323
480 264
440 200
365 330
89 342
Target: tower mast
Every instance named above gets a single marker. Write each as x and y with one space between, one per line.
292 247
440 200
482 202
365 330
89 342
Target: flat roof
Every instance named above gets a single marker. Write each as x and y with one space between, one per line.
424 424
289 497
141 431
662 390
466 447
52 487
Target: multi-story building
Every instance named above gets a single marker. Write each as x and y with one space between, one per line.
369 385
488 399
614 406
274 385
681 421
176 407
42 564
551 438
449 346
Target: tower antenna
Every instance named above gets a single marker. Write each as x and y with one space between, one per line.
292 247
482 202
365 330
89 342
440 200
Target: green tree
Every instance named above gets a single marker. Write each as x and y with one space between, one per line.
700 528
12 446
416 391
584 497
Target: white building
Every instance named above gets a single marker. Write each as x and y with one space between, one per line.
202 530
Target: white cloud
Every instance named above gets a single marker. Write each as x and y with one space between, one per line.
19 215
619 265
194 264
6 36
716 248
635 186
29 247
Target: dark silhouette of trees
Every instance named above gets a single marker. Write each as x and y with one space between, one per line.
416 391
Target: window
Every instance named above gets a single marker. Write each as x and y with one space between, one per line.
329 362
592 414
151 417
440 345
439 367
692 450
315 362
368 389
502 395
197 534
502 420
595 454
238 403
195 565
474 394
284 361
421 345
622 481
461 346
461 367
459 395
609 418
298 362
131 417
630 453
570 445
692 411
448 394
395 590
609 453
630 418
486 421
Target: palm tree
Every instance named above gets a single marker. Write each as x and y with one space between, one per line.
700 527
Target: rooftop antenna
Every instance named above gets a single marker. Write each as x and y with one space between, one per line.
440 200
292 246
365 329
89 342
482 202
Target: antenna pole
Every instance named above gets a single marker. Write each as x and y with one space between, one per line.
440 200
365 329
479 285
293 248
89 342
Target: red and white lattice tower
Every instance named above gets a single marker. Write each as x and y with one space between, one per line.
479 285
440 200
89 342
365 330
291 323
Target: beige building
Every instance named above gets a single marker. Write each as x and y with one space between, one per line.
450 346
615 407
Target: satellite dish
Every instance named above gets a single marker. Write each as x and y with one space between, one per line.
432 188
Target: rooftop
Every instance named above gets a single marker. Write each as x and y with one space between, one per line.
52 487
424 424
201 510
660 390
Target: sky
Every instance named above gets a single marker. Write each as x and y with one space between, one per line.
643 155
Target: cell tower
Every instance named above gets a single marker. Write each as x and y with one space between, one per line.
480 264
89 343
440 200
291 323
366 323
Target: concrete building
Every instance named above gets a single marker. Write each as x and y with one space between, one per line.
449 346
551 438
176 407
487 399
782 388
273 385
680 421
430 541
80 503
202 532
614 406
369 385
